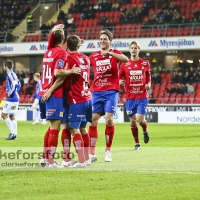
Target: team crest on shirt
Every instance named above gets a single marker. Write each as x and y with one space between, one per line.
49 54
60 63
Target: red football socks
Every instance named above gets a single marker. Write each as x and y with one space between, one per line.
109 134
144 126
66 142
134 130
45 146
86 140
79 146
52 144
93 133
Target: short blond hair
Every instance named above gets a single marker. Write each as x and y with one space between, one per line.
36 75
134 42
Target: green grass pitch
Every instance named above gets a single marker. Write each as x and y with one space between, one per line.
168 168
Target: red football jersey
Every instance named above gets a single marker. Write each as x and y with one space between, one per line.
105 71
54 58
136 75
77 86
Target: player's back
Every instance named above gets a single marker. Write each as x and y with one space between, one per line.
54 58
13 86
78 87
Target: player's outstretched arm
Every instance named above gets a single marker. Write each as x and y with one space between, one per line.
148 78
64 73
119 57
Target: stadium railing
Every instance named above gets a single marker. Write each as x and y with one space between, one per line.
119 31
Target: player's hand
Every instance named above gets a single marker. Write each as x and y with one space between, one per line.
31 98
121 82
81 42
75 70
58 27
46 96
148 86
106 53
8 95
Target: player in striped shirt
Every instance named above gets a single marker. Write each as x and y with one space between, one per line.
11 106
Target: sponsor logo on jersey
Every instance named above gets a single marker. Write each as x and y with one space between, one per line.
137 72
60 63
144 63
103 68
103 62
128 63
61 114
48 59
84 66
50 112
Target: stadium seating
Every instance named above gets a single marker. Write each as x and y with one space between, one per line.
136 29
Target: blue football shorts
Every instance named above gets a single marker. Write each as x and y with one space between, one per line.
65 112
137 106
105 101
80 114
54 108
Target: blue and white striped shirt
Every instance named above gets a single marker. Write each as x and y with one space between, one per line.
13 86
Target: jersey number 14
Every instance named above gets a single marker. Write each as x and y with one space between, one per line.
46 74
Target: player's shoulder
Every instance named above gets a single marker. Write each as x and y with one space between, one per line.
126 64
144 62
95 54
116 51
57 51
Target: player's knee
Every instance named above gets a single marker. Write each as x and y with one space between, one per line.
109 122
3 115
133 123
94 121
141 122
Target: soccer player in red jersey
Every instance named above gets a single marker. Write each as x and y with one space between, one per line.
79 97
53 65
79 100
105 65
135 74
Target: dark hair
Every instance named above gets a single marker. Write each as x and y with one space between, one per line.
8 63
134 42
106 32
58 38
73 42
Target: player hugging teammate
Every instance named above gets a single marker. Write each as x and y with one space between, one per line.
66 77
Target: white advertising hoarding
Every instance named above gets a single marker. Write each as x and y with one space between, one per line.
179 117
147 44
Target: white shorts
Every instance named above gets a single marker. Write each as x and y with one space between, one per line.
36 104
10 108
